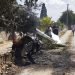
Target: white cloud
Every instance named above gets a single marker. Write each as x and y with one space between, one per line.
59 2
51 1
55 7
55 11
69 1
20 2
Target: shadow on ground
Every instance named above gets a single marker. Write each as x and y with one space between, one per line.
55 62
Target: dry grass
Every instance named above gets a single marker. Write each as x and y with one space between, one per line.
1 42
62 33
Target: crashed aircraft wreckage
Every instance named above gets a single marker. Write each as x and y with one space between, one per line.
54 39
24 48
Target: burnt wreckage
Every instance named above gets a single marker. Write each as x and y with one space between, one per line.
23 49
29 44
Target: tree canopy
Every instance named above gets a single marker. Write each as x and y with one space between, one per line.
15 16
43 11
30 3
26 20
5 6
45 22
71 18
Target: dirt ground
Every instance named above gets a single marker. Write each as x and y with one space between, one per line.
48 62
53 62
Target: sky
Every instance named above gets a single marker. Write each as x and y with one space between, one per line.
55 8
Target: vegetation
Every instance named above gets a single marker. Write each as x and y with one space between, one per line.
16 17
26 20
60 25
43 11
44 23
71 18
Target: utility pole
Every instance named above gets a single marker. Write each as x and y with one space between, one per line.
67 15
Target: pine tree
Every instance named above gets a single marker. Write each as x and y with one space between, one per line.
43 11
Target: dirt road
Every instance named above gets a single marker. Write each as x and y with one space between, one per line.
72 57
5 47
51 62
55 62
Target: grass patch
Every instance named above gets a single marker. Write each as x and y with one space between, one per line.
1 42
